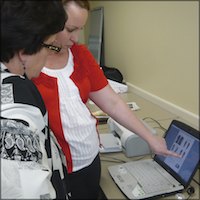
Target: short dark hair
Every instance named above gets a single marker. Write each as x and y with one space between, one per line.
26 24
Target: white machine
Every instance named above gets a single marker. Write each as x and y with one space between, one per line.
124 140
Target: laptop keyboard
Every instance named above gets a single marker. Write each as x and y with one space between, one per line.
138 183
151 180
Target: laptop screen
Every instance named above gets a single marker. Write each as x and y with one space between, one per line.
183 140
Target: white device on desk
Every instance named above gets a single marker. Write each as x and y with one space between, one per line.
118 87
109 143
121 138
132 144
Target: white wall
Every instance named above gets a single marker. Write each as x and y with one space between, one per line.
155 44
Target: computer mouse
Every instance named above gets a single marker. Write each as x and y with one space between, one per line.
180 196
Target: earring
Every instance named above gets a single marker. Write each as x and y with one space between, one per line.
23 65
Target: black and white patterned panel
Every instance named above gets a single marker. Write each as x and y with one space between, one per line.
7 93
18 142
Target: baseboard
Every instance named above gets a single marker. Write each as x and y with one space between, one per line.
180 112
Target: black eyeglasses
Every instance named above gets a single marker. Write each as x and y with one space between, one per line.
52 47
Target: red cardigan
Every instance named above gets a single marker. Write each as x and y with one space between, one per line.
87 76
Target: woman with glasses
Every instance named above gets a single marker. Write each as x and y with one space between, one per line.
31 159
67 81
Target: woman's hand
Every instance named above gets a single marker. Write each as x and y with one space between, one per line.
158 146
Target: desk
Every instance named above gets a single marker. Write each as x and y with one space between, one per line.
148 109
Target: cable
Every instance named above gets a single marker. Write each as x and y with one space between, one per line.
164 129
189 197
159 128
190 191
196 181
119 160
114 159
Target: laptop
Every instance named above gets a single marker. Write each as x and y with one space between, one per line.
161 176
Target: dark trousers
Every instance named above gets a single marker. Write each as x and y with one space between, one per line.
84 184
